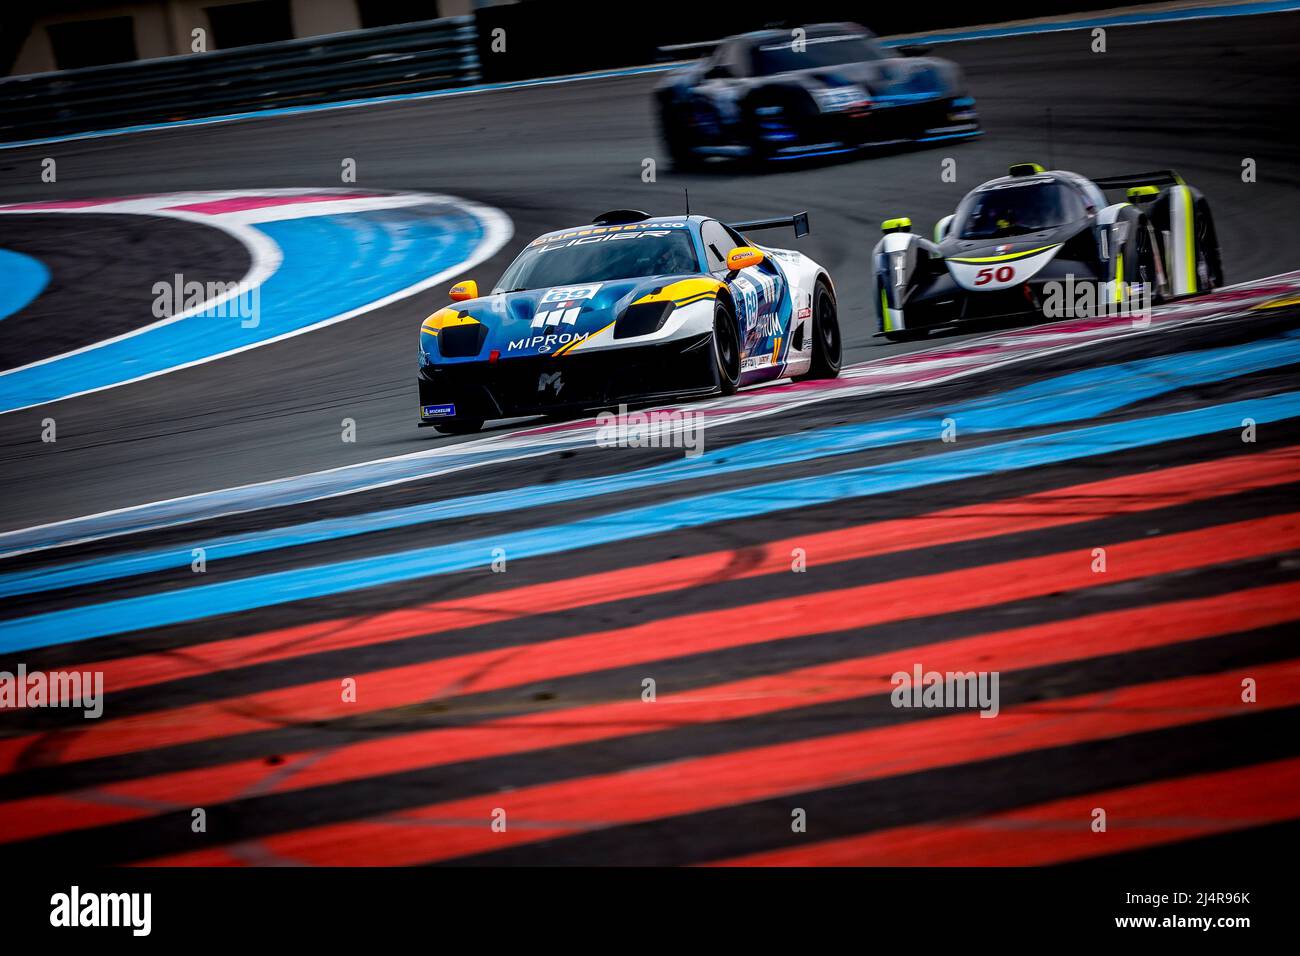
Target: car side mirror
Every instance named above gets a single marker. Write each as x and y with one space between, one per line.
463 290
742 257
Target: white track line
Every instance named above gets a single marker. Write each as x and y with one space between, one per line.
266 258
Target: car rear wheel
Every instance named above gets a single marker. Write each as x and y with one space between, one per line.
726 349
1146 260
827 351
676 123
1209 266
1132 266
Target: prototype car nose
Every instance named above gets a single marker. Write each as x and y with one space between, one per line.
993 270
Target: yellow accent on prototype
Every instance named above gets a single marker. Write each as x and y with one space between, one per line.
1188 238
1006 258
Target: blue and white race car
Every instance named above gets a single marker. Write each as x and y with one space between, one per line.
632 308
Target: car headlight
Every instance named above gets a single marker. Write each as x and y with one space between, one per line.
462 341
642 318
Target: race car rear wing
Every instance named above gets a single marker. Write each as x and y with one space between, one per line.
689 51
1159 177
799 221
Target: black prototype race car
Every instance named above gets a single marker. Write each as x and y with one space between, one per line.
824 89
1017 241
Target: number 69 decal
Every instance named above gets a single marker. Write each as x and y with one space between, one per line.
1001 274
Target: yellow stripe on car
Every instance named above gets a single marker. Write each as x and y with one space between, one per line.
566 349
446 318
697 298
683 291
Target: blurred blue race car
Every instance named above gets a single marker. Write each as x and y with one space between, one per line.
824 89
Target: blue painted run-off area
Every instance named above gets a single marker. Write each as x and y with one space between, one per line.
264 590
268 589
1053 401
331 265
21 280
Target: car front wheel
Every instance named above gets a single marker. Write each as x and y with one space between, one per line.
726 349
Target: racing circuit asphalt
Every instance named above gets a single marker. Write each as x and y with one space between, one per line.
1197 96
523 690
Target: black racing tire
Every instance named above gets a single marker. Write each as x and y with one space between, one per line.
827 348
726 349
677 138
459 426
1209 264
907 333
762 152
1139 267
1146 261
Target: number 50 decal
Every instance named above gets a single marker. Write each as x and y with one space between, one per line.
1001 274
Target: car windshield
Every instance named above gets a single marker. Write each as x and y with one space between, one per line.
814 53
601 258
1019 210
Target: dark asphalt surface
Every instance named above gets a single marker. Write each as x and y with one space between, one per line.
1198 96
102 274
